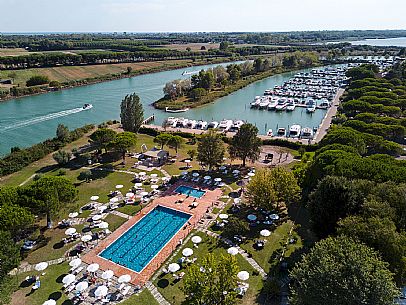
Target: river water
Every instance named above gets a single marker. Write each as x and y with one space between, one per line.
29 120
384 42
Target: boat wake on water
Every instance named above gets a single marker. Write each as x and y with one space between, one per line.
43 118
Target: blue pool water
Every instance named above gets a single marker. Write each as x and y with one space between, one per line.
187 190
136 248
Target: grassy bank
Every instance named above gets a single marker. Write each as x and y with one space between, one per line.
186 102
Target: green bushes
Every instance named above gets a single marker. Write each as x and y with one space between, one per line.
20 158
37 80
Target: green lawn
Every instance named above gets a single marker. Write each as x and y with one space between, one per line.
51 284
144 298
114 221
130 209
171 290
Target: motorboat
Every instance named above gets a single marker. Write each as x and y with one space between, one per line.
291 105
225 125
324 104
181 122
269 133
310 106
272 104
236 126
255 103
213 125
87 106
191 124
281 132
171 121
281 104
264 103
306 133
294 131
201 125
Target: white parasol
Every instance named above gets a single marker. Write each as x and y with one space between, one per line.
274 216
144 194
173 267
223 216
124 278
96 217
154 186
93 267
108 274
73 215
154 175
265 233
243 275
94 198
101 291
206 177
187 252
119 186
232 251
196 239
129 195
68 279
138 184
75 262
195 174
82 286
86 238
70 231
142 173
49 302
103 225
217 179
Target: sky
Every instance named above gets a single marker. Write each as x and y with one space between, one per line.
202 15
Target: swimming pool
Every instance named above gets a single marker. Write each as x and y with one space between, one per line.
190 191
139 245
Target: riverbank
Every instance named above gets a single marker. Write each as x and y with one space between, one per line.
184 102
162 66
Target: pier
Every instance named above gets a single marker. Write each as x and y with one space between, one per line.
149 119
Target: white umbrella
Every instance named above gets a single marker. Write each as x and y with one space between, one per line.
252 217
196 239
75 262
129 195
154 186
217 179
41 266
70 231
82 286
236 171
93 267
102 208
138 184
142 173
187 161
154 175
187 252
274 216
103 225
96 217
101 291
86 238
114 200
222 167
184 173
144 194
108 274
265 233
73 215
49 302
251 174
232 251
195 174
119 186
68 279
243 275
124 278
206 177
173 267
223 216
94 198
237 200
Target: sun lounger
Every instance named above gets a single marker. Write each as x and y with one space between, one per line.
125 290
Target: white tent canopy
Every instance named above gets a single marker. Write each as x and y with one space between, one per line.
243 275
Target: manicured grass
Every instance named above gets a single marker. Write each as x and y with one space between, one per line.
51 284
171 289
130 209
114 221
144 298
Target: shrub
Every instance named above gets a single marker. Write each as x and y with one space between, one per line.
37 80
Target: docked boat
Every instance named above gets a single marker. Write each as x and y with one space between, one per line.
171 121
181 122
236 126
272 104
201 125
291 105
281 105
191 124
176 110
255 103
269 133
310 106
294 131
225 125
306 133
213 125
281 132
324 104
264 103
87 106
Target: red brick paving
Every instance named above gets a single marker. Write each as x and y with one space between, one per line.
168 199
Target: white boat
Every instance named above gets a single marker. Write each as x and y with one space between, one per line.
191 124
176 110
281 132
269 133
281 105
294 131
171 121
307 133
181 122
255 103
87 106
264 103
272 104
213 125
189 72
291 105
324 104
201 125
225 125
236 126
310 106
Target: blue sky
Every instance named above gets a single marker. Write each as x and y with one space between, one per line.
203 15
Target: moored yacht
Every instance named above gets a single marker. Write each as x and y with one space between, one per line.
213 125
291 105
310 106
191 124
281 132
281 104
306 133
225 125
269 133
201 125
171 121
294 131
236 126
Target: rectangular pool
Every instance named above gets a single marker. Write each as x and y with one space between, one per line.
142 242
190 191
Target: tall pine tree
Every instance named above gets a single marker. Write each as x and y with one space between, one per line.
132 113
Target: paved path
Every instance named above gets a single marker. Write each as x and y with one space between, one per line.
29 267
120 214
156 294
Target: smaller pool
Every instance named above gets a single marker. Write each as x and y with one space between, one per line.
190 191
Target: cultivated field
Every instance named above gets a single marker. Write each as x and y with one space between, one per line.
192 46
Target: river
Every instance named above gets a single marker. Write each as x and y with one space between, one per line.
383 42
29 120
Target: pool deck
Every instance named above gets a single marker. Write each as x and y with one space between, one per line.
167 199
